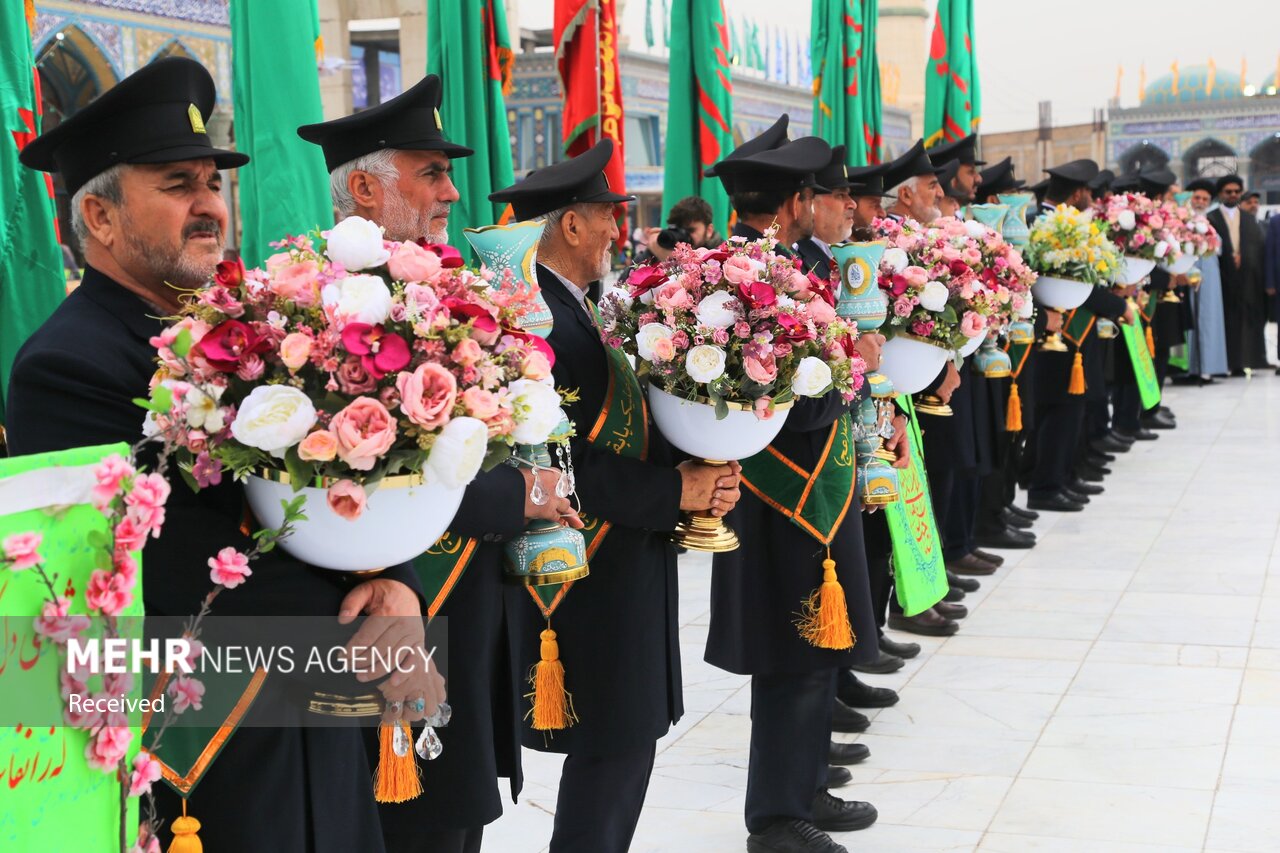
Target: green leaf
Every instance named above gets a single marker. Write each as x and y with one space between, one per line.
300 473
496 456
189 478
182 344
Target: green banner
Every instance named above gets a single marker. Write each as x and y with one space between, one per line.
952 102
919 572
1135 338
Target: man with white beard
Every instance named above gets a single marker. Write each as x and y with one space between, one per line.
391 165
914 186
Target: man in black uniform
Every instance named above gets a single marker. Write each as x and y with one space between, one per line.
833 210
148 211
757 589
405 186
618 629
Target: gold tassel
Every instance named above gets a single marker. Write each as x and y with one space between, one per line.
396 780
1013 413
185 839
1151 343
825 619
1076 386
552 704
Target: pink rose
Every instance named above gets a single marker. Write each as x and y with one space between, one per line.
21 550
347 499
427 395
480 404
319 446
146 500
720 337
110 473
230 568
365 431
902 306
797 284
664 349
468 352
55 623
107 747
916 276
353 378
411 262
536 366
672 296
298 282
295 349
742 329
738 269
108 592
971 256
820 312
186 692
146 771
761 409
972 324
761 370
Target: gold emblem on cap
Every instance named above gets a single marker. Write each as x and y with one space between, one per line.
439 123
846 172
197 121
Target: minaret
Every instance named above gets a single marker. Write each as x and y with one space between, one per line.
903 32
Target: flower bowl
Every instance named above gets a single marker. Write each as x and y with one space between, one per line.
912 363
1135 270
1060 293
403 518
1181 266
692 426
971 346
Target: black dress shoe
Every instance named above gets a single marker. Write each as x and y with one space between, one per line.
1055 502
863 695
1159 421
1012 519
882 665
926 624
1141 434
1091 474
845 719
990 558
1121 437
793 836
1072 494
906 651
1080 487
1025 513
838 777
843 754
954 595
1167 412
1109 444
1099 458
832 814
1239 374
967 584
951 611
971 565
1007 539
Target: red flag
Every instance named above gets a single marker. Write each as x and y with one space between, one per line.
586 40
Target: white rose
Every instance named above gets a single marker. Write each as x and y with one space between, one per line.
717 310
1026 308
785 301
359 298
934 296
704 363
1188 248
274 418
1202 227
356 244
536 408
812 379
202 409
896 259
975 229
645 338
1162 249
459 451
1126 220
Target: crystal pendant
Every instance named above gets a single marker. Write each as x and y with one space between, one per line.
441 717
428 746
400 741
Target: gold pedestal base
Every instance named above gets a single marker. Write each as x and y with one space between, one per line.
1171 297
1053 343
572 574
885 455
880 500
998 373
931 404
702 531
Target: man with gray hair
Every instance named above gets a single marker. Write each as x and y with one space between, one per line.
915 188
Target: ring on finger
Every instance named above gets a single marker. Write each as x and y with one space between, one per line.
394 707
418 705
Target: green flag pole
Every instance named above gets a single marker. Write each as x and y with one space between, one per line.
284 189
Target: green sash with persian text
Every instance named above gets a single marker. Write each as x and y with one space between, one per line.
1144 370
919 572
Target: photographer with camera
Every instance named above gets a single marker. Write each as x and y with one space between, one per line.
688 222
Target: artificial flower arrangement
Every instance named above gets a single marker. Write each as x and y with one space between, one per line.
739 323
1070 244
1141 228
1193 231
1004 279
349 359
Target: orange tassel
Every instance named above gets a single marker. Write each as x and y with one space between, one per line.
185 839
1076 386
825 619
396 780
1013 413
552 704
1151 343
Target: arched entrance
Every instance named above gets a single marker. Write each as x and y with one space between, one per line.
1264 170
173 47
1143 155
1208 158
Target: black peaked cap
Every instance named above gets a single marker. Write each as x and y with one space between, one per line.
964 151
773 137
578 180
868 180
999 178
912 163
1102 181
155 115
408 122
835 175
1156 180
788 168
1126 183
1076 172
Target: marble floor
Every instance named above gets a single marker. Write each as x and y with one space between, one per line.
1115 689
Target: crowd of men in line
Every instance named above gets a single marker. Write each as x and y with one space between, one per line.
148 214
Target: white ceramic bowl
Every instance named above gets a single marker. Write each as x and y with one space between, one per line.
1135 270
1060 293
399 522
693 427
912 363
972 346
1182 265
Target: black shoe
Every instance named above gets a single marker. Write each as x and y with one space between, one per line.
1210 382
951 611
863 695
832 814
1121 437
1072 494
1055 502
1167 412
906 651
1091 474
845 719
1141 434
990 558
1099 458
1007 538
926 624
793 836
838 777
1239 374
843 754
1159 421
1012 519
1109 444
971 565
883 665
1024 512
1080 487
967 584
954 595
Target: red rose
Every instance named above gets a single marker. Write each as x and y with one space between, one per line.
644 279
229 273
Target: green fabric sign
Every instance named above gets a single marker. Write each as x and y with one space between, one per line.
918 569
952 102
1135 338
50 798
284 189
846 78
32 282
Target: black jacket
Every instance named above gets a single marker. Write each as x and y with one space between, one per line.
813 259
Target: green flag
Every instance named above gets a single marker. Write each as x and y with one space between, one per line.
952 102
468 47
869 74
284 189
699 106
918 568
32 282
836 46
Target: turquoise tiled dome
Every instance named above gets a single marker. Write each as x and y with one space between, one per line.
1193 86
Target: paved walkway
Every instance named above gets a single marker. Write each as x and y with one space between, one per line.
1114 690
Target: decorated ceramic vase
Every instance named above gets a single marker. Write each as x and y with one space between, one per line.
990 215
514 248
1015 228
993 361
546 552
861 299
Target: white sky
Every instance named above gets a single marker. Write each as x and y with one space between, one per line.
1064 52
